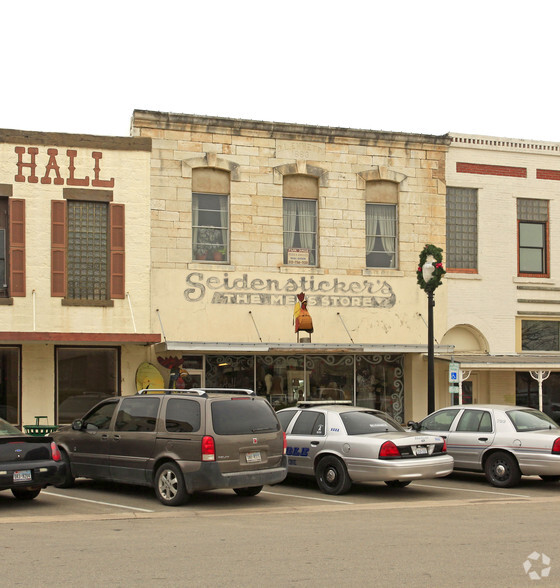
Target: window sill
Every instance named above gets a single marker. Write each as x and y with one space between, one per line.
202 265
533 280
300 269
101 303
462 276
6 301
382 271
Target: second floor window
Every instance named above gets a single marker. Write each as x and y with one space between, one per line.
210 214
300 219
87 248
381 224
532 219
462 229
300 231
12 246
210 227
381 237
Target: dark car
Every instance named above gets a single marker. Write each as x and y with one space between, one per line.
178 442
27 463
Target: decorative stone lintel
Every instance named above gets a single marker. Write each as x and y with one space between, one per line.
379 172
210 160
300 167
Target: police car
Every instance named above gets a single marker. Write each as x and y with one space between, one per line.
340 444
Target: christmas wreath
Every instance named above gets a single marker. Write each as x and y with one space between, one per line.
435 281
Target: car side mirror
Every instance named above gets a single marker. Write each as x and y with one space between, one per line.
78 425
413 425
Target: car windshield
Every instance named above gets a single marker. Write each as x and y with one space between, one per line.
530 420
361 422
7 429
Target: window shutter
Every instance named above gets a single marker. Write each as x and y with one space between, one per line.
17 246
58 248
117 251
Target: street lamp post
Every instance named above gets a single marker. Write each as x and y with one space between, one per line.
429 273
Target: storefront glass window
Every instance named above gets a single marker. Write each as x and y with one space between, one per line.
85 376
527 393
374 381
230 371
281 379
9 384
331 377
379 383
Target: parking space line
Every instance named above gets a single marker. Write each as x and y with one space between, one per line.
307 497
479 491
97 502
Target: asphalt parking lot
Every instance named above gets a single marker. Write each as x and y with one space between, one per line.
90 500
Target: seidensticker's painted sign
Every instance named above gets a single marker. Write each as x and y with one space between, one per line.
280 292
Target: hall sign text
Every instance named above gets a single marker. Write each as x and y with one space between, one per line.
28 169
319 292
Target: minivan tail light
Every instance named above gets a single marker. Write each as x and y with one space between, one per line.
389 449
208 448
55 451
556 445
285 443
444 448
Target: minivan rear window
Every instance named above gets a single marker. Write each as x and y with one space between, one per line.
243 416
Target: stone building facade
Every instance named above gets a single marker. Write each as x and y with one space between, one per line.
246 215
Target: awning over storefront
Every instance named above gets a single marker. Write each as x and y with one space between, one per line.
220 347
77 338
506 362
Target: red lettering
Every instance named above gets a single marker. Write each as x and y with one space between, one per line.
52 165
97 155
72 181
33 179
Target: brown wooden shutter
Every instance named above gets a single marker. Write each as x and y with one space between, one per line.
117 251
58 248
16 215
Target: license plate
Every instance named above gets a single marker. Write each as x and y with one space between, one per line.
22 476
421 451
253 456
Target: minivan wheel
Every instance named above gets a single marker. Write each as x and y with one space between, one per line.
501 470
250 491
170 485
26 493
331 476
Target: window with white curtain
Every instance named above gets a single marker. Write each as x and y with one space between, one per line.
210 227
300 231
381 235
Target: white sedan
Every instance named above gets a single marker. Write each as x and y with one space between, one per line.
505 442
341 444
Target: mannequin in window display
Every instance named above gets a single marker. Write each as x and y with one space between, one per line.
268 383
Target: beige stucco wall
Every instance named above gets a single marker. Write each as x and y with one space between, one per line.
490 299
494 300
130 169
125 160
